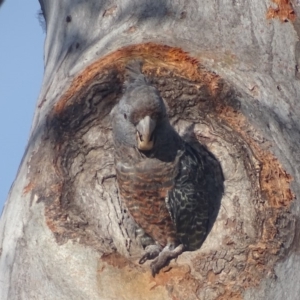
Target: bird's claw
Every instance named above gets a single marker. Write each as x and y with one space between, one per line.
152 251
164 258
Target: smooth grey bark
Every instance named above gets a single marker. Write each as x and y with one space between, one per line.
257 57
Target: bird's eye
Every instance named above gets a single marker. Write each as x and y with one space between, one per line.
125 116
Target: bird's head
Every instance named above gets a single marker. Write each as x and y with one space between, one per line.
140 116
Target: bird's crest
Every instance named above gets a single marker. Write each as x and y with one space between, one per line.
134 75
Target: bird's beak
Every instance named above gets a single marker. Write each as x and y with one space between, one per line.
144 133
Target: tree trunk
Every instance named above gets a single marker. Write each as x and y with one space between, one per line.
229 69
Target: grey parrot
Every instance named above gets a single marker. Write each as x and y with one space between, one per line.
160 175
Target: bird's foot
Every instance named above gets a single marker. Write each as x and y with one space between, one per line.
152 251
164 258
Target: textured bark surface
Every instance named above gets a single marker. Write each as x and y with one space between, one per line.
228 71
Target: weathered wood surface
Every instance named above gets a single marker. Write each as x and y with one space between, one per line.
64 233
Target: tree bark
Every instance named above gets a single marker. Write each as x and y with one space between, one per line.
227 69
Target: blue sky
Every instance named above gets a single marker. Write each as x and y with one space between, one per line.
21 72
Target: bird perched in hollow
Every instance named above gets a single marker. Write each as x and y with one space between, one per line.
160 175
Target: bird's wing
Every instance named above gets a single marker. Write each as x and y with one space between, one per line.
188 201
